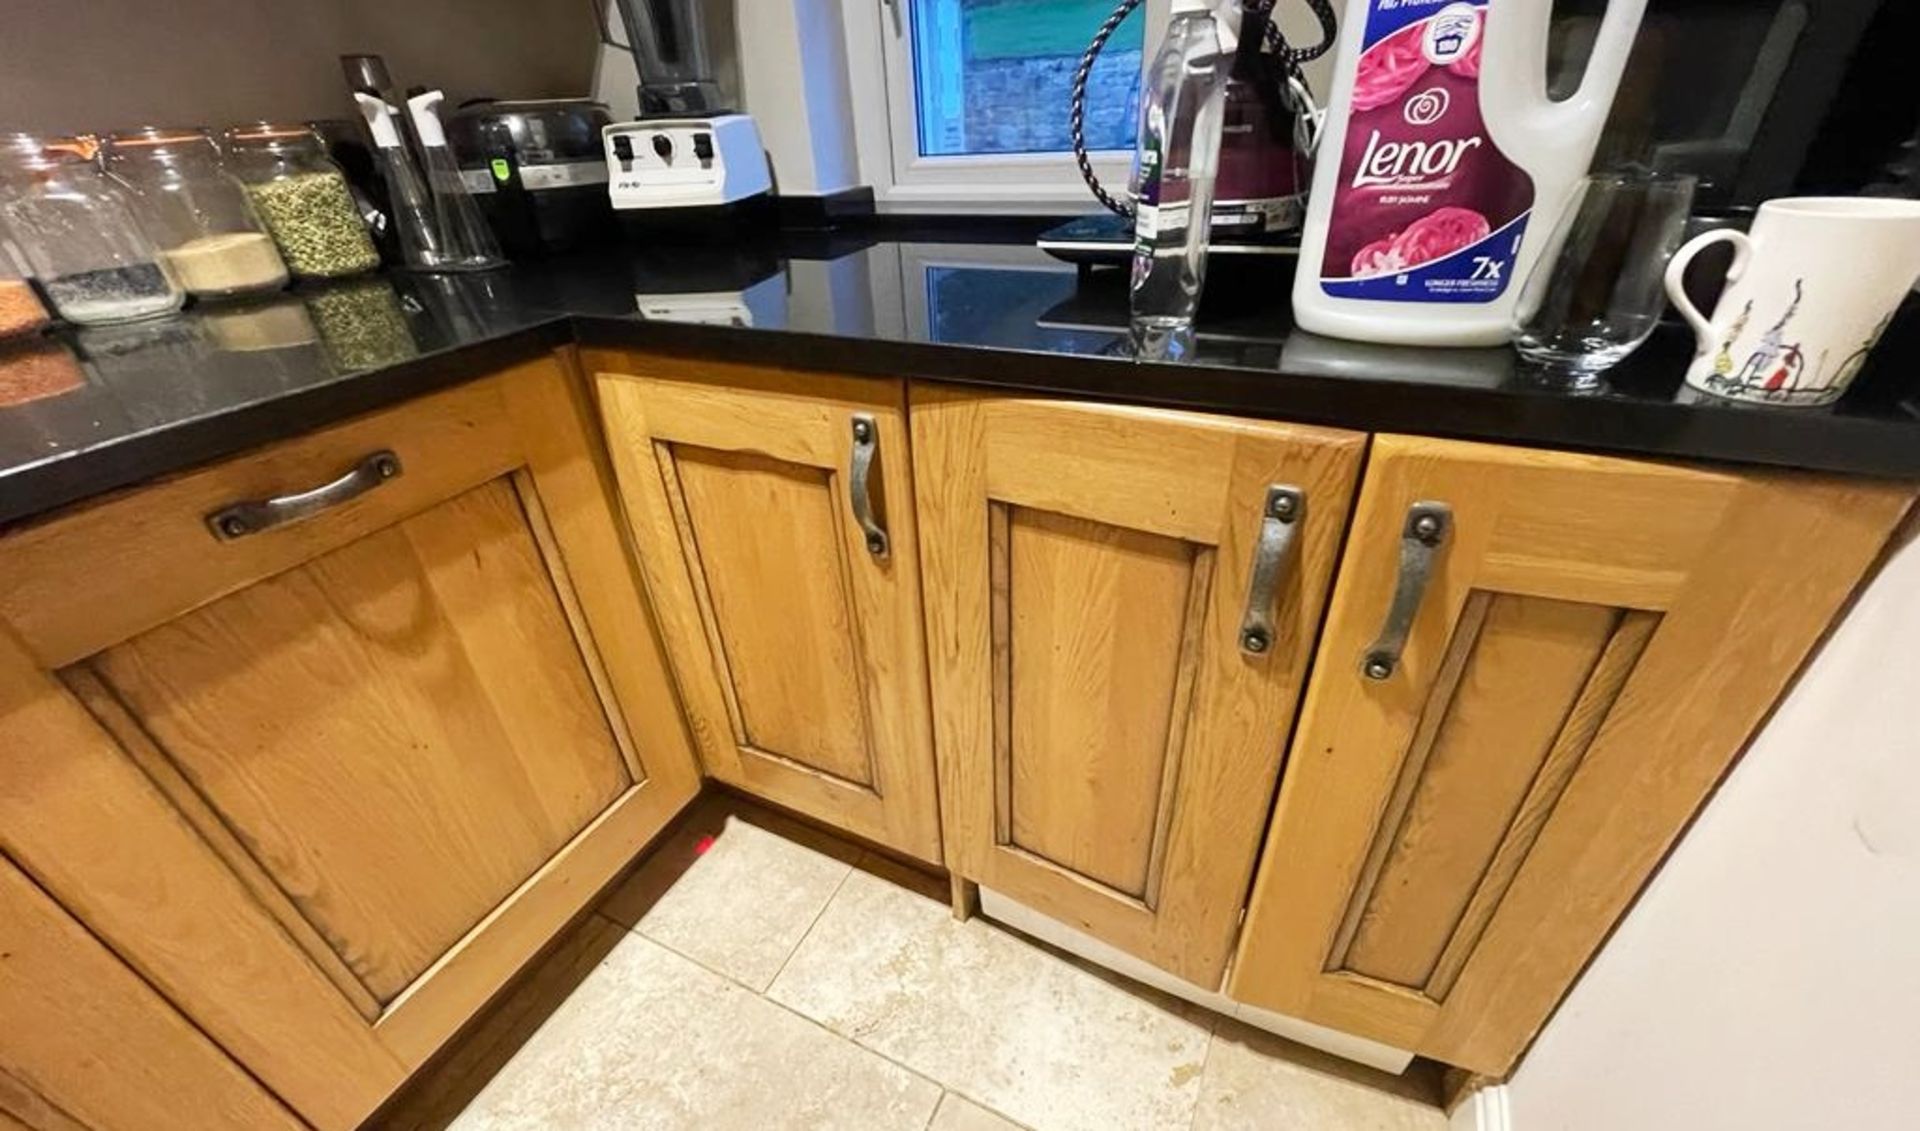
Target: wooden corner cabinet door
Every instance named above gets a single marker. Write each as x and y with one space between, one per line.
1108 738
328 784
1596 638
774 517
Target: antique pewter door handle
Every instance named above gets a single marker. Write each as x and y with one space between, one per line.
866 440
237 520
1278 520
1428 524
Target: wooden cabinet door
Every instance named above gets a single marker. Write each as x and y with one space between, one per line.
328 785
1596 641
87 1044
1108 747
797 643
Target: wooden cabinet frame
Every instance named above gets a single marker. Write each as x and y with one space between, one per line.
109 829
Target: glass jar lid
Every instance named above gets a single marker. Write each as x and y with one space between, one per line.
273 136
34 153
160 141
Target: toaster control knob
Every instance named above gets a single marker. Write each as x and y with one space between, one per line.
703 146
623 149
663 145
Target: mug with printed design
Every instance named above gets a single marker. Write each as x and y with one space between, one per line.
1812 286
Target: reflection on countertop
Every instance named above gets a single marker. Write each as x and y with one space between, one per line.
82 411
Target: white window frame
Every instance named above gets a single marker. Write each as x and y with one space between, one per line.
880 72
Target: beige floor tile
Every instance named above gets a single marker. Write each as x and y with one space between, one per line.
1023 1031
1257 1082
653 1042
958 1113
740 906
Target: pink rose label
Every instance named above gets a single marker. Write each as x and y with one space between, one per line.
1389 68
1436 235
1426 208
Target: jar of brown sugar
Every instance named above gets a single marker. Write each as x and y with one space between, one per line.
195 211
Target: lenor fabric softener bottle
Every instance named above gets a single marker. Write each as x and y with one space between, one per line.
1444 166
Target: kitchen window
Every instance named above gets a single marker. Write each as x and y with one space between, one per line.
962 105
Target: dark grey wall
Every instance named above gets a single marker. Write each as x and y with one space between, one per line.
96 65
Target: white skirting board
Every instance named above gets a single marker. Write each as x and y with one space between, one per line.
1484 1110
1373 1054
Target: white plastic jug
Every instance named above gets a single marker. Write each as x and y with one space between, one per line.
1444 166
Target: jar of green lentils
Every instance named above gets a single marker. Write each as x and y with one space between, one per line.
303 198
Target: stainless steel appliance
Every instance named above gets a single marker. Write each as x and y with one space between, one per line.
537 170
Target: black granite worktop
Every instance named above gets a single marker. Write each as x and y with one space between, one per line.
87 411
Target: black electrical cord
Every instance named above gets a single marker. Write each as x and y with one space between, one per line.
1289 55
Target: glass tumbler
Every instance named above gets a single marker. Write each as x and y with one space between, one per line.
1597 292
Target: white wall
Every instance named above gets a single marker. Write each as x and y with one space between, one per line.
1770 975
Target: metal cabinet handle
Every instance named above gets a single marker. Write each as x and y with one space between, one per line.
1279 519
1428 524
237 520
866 442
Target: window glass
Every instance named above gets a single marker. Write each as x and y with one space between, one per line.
996 76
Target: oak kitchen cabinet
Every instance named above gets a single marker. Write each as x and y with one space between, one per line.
1588 643
775 521
326 784
1121 604
303 784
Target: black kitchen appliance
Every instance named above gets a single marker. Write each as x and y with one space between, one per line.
538 171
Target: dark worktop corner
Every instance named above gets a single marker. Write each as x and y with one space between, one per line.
87 411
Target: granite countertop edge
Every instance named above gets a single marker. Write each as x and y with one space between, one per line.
1837 443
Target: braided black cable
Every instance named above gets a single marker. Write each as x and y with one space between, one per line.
1077 117
1322 11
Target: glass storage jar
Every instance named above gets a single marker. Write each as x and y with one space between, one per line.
73 226
21 311
303 197
196 211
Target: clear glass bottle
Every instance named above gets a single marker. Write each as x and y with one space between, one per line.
77 232
196 211
1179 154
303 198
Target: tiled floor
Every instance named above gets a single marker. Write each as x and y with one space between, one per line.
756 974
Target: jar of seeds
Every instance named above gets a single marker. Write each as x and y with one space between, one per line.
77 233
303 198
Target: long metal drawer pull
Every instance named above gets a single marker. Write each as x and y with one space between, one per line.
866 440
1285 507
1428 524
237 520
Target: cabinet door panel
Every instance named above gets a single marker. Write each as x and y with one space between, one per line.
1093 702
329 801
440 636
799 652
793 661
1107 749
1597 640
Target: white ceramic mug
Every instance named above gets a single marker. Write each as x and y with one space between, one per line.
1810 289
